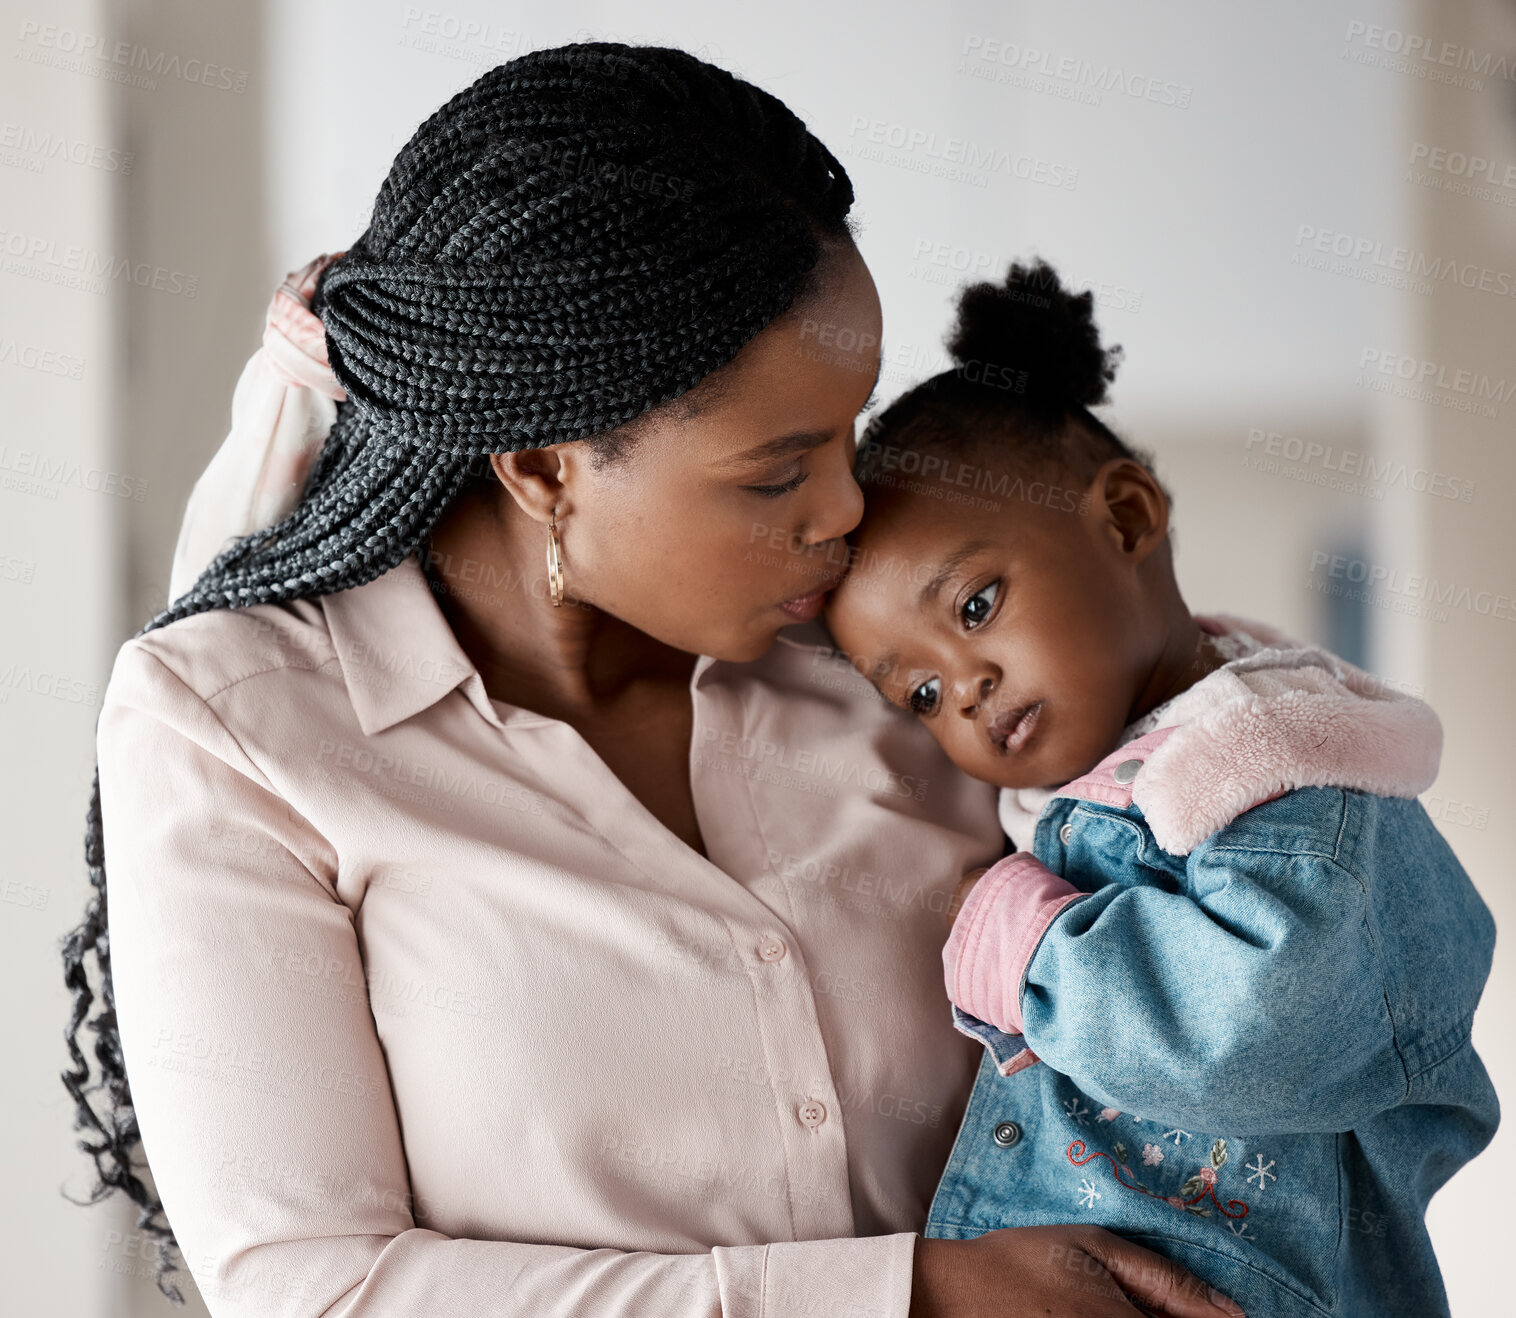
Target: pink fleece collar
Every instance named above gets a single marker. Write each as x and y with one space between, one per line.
1287 716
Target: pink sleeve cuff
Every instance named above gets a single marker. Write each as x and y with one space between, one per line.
997 929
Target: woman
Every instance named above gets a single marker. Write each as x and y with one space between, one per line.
489 939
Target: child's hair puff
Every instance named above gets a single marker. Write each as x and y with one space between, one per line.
1032 325
1028 365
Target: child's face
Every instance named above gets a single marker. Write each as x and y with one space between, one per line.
1020 634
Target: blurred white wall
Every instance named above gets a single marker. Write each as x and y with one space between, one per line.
1233 182
62 514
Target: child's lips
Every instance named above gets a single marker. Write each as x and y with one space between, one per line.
1011 729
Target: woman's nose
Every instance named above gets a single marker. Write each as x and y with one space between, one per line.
838 506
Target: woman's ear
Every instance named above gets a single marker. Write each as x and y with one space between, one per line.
537 479
1133 505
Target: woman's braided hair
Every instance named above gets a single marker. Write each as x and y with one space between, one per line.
580 236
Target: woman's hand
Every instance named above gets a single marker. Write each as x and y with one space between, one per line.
1055 1272
961 892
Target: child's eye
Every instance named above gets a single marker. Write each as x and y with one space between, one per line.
923 700
977 607
774 491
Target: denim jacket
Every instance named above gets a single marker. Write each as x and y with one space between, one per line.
1225 998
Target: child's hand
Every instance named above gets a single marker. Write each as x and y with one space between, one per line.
961 892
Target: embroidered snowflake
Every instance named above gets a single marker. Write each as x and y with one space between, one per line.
1077 1110
1088 1193
1179 1136
1261 1172
1152 1155
1108 1114
1240 1230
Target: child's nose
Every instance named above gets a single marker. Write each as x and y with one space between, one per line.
972 691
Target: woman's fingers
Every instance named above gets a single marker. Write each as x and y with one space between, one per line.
961 893
1156 1282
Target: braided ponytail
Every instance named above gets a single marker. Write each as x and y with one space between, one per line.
579 236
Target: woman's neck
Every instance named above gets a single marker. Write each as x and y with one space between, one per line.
487 566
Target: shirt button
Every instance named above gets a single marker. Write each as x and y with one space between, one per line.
1126 771
771 949
1066 834
812 1113
1007 1133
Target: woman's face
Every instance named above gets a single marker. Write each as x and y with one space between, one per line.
716 530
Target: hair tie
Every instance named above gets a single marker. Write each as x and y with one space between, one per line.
283 408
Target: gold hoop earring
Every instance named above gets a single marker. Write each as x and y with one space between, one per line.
554 560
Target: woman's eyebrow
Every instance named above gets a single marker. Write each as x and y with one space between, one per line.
800 441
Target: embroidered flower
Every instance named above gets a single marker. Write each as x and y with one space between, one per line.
1109 1113
1208 1176
1152 1155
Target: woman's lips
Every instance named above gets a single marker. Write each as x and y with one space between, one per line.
807 606
1011 730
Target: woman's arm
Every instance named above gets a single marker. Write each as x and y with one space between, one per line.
267 1116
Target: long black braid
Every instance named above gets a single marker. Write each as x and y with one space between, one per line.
578 237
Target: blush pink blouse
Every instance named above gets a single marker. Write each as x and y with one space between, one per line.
425 1013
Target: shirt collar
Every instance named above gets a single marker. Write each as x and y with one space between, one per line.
398 654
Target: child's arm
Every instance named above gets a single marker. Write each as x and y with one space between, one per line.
1255 1001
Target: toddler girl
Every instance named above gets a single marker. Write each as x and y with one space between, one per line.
1225 980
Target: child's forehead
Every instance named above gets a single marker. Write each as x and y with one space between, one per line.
877 613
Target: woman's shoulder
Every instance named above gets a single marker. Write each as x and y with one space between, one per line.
211 651
805 664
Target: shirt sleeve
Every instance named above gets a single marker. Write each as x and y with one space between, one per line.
1254 1000
268 1120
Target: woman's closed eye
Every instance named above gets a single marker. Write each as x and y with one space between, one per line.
783 487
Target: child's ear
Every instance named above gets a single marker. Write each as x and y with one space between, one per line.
1133 506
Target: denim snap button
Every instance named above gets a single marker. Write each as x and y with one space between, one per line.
1066 834
1007 1133
1126 771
